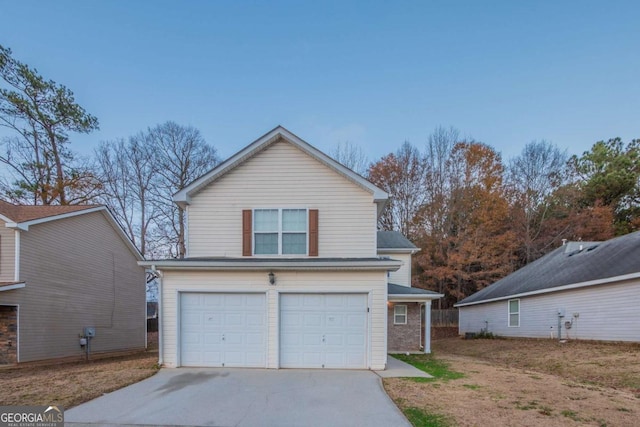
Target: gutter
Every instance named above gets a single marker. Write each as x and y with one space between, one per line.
413 297
284 265
556 289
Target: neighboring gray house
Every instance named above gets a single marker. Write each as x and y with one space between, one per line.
408 309
590 290
64 268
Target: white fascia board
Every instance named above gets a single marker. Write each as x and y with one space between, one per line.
13 286
6 219
398 250
557 289
182 197
413 297
284 265
24 225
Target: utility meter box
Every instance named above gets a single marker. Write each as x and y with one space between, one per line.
89 332
561 312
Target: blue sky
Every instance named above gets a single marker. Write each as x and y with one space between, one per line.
372 73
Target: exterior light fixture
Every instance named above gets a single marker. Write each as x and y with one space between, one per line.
272 278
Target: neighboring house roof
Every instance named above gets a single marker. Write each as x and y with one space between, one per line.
183 196
407 293
22 213
21 217
576 264
265 264
394 241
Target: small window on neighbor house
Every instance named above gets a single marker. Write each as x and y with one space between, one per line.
514 313
399 314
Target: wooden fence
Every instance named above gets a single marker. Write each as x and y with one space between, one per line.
444 317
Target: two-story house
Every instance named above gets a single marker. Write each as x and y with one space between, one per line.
282 267
64 269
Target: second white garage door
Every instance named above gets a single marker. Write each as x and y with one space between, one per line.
323 331
223 329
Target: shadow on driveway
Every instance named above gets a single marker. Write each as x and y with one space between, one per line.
245 397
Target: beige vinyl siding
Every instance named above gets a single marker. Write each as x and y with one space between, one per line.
7 253
78 273
403 275
371 283
606 312
282 176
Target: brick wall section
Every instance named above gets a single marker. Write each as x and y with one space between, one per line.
8 335
402 338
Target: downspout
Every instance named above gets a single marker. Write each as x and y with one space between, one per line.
158 274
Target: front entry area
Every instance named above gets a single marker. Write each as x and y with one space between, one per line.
223 330
323 331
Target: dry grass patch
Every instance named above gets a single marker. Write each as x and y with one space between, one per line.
615 365
526 382
70 384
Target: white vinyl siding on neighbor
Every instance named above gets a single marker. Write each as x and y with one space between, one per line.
280 231
284 177
399 314
606 312
514 313
371 283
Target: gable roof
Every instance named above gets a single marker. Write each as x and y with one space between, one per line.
576 264
21 217
394 241
183 196
23 213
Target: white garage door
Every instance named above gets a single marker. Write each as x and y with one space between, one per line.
219 329
323 331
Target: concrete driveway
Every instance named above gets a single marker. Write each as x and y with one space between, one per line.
245 397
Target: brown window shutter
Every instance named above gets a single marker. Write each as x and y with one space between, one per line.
247 232
313 232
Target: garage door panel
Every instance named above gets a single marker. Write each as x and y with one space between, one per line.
311 319
323 330
219 329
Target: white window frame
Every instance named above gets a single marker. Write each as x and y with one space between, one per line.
396 314
510 313
279 231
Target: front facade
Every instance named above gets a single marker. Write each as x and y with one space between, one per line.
282 268
583 290
63 269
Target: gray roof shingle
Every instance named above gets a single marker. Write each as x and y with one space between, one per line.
394 240
568 264
393 289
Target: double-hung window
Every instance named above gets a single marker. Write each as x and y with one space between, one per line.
280 232
514 313
400 314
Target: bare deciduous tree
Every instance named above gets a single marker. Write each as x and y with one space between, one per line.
351 156
532 177
181 155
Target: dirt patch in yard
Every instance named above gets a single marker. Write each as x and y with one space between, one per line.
529 383
69 384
